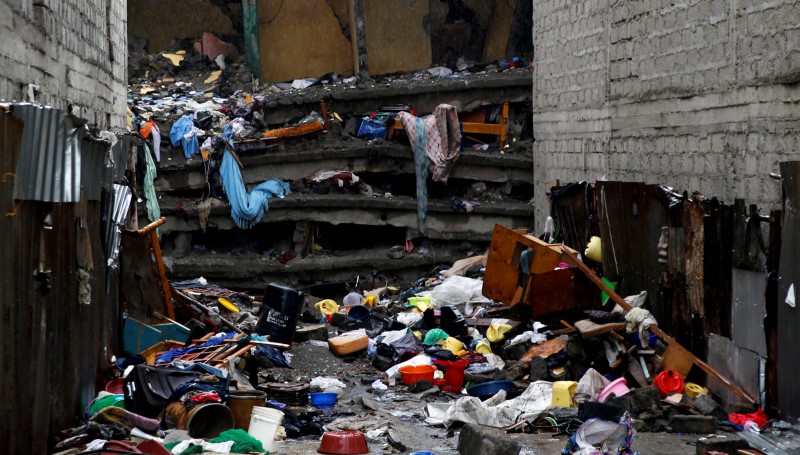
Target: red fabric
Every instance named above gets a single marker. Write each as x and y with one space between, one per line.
758 417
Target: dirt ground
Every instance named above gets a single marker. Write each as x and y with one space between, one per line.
401 414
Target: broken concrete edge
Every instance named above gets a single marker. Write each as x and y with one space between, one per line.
293 153
351 201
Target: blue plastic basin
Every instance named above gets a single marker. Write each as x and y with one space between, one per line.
488 389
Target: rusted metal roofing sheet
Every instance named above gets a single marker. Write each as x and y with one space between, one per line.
740 365
49 168
788 316
55 349
749 310
630 218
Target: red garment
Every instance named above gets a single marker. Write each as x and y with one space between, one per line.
205 397
758 417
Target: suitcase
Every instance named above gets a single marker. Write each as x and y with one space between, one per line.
147 389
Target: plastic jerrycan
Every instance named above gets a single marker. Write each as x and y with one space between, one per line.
279 312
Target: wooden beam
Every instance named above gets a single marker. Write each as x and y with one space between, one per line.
657 331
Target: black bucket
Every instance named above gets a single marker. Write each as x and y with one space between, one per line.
279 312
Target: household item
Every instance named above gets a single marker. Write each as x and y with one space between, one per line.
487 390
564 393
348 343
115 386
343 443
264 423
594 249
291 393
147 389
324 400
201 421
279 312
241 403
694 390
668 382
359 312
412 374
138 336
422 303
225 303
521 269
618 387
108 400
327 306
452 321
453 375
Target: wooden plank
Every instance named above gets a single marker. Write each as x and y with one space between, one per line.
658 332
673 360
545 349
589 329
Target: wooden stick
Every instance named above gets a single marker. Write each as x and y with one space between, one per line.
264 343
657 331
162 271
205 310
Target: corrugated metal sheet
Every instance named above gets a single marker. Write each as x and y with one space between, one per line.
54 349
119 153
630 218
749 311
95 175
50 166
570 209
788 317
741 366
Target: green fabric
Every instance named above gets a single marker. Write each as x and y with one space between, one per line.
242 442
153 210
434 335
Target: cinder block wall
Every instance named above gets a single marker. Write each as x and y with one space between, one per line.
703 95
74 50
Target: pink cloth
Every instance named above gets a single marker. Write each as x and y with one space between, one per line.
442 137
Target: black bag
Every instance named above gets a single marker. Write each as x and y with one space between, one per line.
147 389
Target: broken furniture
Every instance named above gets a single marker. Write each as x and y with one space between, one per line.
521 269
671 343
497 129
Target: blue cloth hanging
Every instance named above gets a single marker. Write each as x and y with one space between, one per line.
247 209
177 135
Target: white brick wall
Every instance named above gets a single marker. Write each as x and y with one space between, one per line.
701 95
74 50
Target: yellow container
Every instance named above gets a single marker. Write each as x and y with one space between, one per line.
563 393
694 390
594 249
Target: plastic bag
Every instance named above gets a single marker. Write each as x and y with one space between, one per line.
371 129
457 290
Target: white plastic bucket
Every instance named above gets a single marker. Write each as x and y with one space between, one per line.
264 424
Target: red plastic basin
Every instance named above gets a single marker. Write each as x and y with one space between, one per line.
412 373
343 443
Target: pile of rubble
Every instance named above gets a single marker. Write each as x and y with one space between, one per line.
225 372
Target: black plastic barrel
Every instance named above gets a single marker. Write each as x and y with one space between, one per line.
279 311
